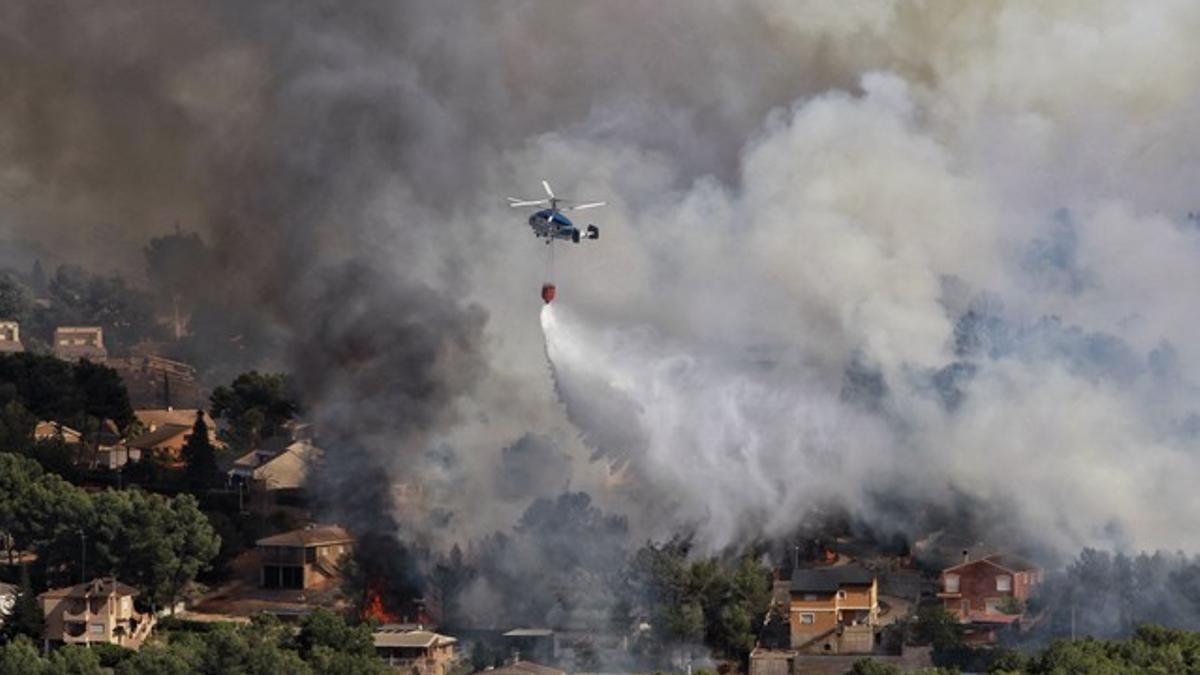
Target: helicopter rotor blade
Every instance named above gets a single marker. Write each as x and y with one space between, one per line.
550 192
590 205
530 202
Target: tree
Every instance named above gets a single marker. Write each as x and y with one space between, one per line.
873 667
331 646
62 391
75 660
16 427
103 393
257 405
937 627
156 544
79 298
201 457
449 577
21 656
178 265
14 301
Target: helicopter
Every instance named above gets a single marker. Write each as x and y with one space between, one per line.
551 224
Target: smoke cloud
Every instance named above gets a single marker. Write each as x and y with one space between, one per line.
870 252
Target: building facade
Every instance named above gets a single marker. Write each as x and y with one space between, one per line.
834 610
99 611
10 337
988 587
415 651
303 559
72 343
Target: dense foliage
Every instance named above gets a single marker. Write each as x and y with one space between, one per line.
323 645
149 541
74 297
71 393
690 600
256 405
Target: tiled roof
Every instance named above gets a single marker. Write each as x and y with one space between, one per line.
314 535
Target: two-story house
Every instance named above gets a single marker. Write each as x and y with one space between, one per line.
305 558
989 591
834 610
10 337
415 651
72 343
99 611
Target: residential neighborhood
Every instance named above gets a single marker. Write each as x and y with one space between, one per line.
313 359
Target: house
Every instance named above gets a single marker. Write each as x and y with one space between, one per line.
534 643
303 559
834 610
99 611
520 667
989 592
420 651
166 431
272 468
72 343
164 442
10 337
8 599
153 418
53 431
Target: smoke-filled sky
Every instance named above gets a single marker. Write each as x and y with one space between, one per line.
863 250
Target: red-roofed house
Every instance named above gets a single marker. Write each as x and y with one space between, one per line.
989 591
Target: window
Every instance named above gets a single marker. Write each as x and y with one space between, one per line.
810 596
1004 583
97 628
841 595
951 583
807 618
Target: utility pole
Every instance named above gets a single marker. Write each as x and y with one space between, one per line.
83 558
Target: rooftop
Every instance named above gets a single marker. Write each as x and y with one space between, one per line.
529 632
390 635
829 579
96 588
313 535
162 434
526 668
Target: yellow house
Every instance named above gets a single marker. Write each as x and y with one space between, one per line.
99 611
834 610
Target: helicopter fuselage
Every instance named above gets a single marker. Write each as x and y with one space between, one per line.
551 224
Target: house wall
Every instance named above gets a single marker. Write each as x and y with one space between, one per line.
861 602
99 617
977 585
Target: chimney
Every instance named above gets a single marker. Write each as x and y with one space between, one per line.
966 555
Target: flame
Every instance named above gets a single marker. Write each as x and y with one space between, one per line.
375 609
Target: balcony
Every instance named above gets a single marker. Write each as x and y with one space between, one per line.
75 610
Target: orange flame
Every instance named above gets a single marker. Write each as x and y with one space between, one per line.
375 609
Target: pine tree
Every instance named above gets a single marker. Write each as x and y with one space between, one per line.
200 455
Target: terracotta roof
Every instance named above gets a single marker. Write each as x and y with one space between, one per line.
395 636
164 433
96 588
1009 563
829 579
314 535
155 417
